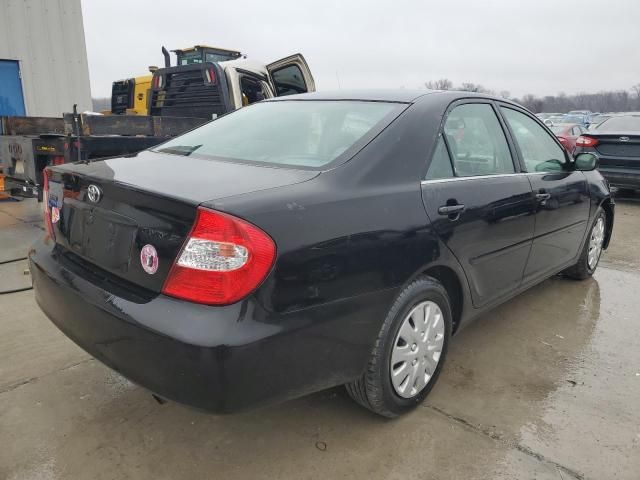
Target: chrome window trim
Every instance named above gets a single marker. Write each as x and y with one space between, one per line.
474 177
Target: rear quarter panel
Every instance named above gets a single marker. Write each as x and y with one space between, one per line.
358 228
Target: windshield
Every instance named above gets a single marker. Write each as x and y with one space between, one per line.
309 134
620 124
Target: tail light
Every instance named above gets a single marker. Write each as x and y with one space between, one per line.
584 141
222 261
210 73
157 81
562 140
47 209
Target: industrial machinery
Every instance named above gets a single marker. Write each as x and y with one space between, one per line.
130 96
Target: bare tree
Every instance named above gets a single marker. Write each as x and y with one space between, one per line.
636 91
470 87
474 87
441 84
604 101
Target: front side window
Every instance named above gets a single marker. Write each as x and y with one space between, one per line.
539 151
476 141
308 134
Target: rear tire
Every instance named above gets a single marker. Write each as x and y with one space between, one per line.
422 312
589 259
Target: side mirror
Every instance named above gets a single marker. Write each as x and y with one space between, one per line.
586 162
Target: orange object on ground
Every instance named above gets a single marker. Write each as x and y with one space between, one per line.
2 192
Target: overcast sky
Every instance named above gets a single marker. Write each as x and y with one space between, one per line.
536 46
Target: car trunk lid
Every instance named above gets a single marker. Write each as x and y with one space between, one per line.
618 149
109 211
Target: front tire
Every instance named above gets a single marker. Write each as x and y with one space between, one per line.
409 352
592 250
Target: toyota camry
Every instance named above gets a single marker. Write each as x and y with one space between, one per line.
313 241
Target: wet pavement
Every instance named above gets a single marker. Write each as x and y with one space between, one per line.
546 386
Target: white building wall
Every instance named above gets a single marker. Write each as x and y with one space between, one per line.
47 38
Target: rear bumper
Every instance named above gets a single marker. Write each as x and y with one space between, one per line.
219 359
618 176
621 177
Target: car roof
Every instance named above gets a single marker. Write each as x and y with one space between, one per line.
378 95
384 95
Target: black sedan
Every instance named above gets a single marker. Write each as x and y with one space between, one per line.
616 143
313 241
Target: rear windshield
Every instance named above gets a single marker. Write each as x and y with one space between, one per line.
558 129
620 124
308 134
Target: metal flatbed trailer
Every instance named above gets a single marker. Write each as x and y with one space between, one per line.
29 144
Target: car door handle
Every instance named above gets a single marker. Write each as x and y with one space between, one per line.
451 209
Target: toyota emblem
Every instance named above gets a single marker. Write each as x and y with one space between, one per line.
149 259
624 139
94 193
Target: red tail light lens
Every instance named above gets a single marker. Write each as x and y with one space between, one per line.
211 75
583 141
222 261
47 209
157 81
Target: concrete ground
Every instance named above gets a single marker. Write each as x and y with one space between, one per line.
545 387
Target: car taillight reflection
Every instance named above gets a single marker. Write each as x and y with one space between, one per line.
47 209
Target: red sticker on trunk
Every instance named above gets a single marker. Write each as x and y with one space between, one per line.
149 259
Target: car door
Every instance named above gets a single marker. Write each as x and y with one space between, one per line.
478 202
562 196
291 75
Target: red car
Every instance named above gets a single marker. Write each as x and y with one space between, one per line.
568 133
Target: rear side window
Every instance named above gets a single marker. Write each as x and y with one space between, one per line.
539 151
476 141
289 80
440 166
